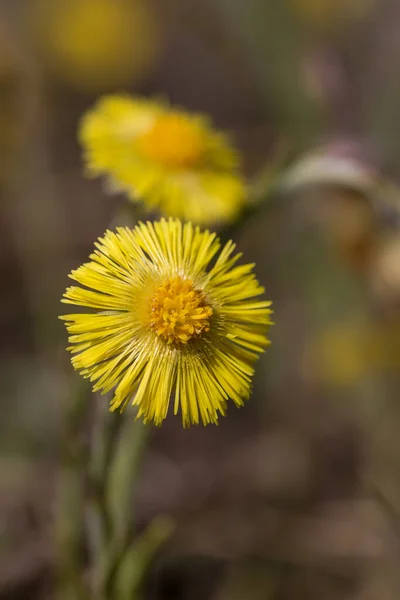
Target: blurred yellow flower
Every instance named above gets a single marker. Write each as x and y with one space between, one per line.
340 354
165 324
171 160
345 353
95 45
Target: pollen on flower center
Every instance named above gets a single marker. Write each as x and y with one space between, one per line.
174 141
179 311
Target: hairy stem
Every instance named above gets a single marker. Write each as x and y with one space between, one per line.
70 516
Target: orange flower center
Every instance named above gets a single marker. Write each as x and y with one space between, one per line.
179 312
174 141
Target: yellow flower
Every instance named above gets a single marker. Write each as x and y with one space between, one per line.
345 353
173 318
93 45
171 160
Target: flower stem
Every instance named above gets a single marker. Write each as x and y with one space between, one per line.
71 497
105 431
123 474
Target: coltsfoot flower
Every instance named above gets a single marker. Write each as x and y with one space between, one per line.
174 319
172 161
93 45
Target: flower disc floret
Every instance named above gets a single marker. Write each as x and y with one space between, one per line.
174 141
179 312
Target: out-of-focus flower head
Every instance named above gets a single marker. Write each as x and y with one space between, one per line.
94 45
339 354
173 161
345 353
164 324
340 163
342 189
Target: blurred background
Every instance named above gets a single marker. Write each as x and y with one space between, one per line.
297 495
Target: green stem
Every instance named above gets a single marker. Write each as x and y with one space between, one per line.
71 498
123 474
105 431
136 559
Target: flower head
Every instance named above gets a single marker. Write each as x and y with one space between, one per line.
171 160
173 317
93 45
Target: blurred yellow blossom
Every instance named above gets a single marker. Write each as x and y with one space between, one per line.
173 161
167 325
345 353
95 45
